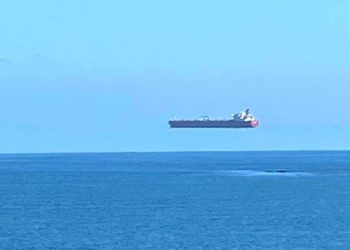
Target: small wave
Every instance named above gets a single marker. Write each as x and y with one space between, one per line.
263 173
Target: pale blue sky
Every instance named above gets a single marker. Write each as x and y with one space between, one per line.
106 75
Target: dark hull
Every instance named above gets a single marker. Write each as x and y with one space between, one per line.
212 124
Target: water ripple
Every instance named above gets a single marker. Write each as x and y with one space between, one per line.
247 172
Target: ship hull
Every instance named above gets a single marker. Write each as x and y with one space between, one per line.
212 124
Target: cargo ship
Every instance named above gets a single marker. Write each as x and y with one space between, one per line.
242 119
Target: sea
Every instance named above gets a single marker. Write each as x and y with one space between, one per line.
178 200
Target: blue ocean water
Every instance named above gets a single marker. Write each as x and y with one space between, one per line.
202 200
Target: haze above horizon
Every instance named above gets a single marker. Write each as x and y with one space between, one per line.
107 75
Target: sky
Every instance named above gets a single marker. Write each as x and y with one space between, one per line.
107 75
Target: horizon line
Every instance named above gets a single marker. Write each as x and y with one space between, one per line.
177 151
